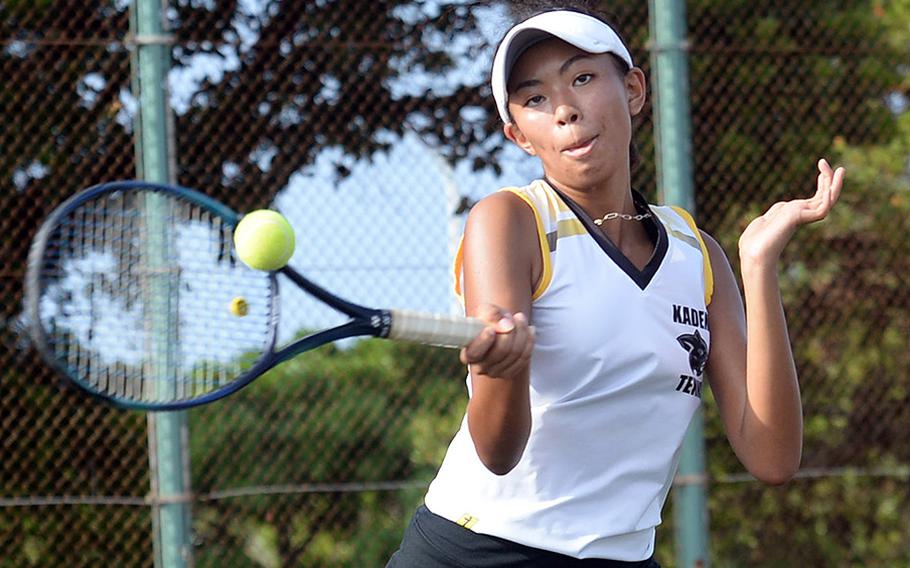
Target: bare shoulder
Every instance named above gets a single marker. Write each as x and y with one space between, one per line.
714 249
726 300
502 261
502 221
720 263
501 209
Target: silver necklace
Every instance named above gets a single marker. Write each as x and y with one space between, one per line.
623 216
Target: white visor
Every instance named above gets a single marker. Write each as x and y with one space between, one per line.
584 32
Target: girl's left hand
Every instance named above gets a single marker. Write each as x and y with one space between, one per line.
765 237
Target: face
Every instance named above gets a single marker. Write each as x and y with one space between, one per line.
573 110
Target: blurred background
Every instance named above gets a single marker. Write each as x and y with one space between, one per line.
370 125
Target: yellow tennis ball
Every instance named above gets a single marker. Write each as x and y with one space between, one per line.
264 240
239 307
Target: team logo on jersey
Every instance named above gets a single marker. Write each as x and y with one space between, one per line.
697 348
698 351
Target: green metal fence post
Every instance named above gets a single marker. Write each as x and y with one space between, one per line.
674 178
168 457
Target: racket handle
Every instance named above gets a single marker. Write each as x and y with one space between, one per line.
433 329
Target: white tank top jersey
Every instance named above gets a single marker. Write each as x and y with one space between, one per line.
615 380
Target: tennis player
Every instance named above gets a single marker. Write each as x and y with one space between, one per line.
606 313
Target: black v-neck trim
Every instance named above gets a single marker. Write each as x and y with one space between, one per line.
656 229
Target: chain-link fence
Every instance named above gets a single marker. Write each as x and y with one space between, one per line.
370 125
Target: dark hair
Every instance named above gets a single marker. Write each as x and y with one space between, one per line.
524 9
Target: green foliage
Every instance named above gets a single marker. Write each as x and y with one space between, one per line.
843 283
374 412
774 86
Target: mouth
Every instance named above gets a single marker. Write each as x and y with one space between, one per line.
581 149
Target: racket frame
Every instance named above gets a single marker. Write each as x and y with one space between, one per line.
364 322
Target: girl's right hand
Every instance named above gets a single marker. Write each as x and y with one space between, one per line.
503 349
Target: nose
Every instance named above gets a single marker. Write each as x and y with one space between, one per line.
567 114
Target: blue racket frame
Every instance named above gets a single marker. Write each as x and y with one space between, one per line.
364 321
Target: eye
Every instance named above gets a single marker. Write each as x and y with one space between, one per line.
582 79
534 100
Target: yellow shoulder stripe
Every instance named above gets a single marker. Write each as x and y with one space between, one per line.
706 258
570 228
457 267
546 263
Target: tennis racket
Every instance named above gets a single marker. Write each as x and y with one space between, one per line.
135 294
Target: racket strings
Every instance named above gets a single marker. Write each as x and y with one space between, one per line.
136 297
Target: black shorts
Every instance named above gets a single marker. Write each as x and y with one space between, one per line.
431 541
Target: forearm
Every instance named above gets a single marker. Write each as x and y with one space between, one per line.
771 424
499 419
752 371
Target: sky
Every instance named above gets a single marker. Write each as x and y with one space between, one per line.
385 235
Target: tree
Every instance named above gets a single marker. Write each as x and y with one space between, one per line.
67 110
340 74
333 420
775 86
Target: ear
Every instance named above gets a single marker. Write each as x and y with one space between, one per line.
513 133
636 90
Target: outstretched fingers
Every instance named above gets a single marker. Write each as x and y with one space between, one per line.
837 183
826 195
765 237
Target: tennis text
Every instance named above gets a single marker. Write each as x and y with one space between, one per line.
689 385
